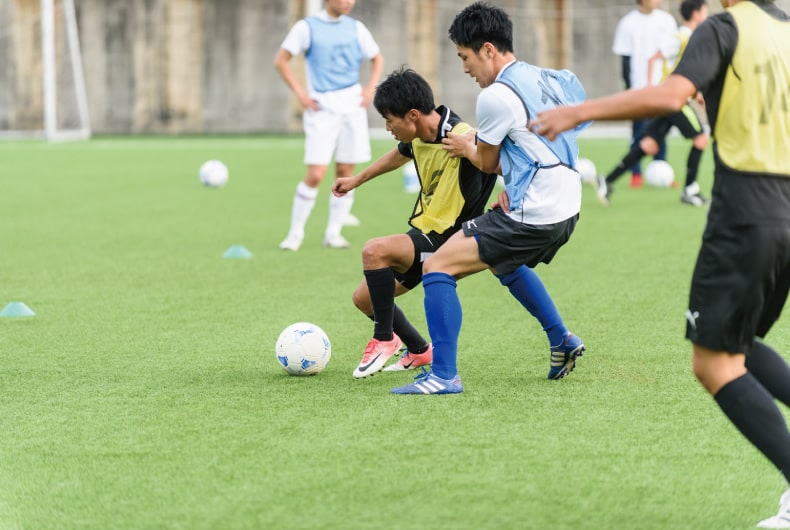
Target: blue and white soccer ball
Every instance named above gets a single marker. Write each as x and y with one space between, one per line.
213 174
303 349
659 174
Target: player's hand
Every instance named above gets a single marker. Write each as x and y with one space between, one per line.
552 122
343 185
502 201
308 103
460 145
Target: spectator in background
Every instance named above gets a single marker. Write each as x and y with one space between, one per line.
637 40
334 102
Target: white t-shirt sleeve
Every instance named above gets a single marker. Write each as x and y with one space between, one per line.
623 37
499 111
298 39
366 41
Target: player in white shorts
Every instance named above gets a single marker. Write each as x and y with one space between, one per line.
334 103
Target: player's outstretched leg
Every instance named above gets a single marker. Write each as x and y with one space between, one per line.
526 287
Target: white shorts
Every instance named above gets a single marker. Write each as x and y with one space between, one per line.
340 128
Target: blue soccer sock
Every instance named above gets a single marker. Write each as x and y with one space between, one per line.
443 313
526 287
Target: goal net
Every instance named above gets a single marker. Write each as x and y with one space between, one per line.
42 87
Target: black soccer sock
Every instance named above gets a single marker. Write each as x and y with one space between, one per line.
692 165
381 286
753 411
415 342
634 155
771 370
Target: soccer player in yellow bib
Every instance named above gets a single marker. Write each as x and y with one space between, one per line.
740 61
453 190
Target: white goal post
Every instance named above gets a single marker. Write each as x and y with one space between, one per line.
43 81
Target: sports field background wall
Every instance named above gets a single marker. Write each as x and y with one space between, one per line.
205 66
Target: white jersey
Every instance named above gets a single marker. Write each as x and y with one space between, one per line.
555 194
640 36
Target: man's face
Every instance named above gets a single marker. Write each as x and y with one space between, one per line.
339 7
650 5
404 128
478 65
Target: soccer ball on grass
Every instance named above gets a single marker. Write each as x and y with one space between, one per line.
213 174
659 174
587 170
303 349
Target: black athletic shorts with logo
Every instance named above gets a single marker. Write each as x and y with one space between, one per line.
739 286
505 244
424 246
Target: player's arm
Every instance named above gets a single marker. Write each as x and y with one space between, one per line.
282 62
668 97
480 154
376 68
388 162
658 56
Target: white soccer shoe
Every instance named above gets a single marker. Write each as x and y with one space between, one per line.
337 241
782 518
291 243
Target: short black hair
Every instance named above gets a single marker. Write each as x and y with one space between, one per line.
688 7
401 91
480 23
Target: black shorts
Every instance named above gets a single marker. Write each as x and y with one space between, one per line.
686 120
505 244
739 286
424 246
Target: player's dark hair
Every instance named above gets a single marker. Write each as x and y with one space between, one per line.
480 23
402 91
688 7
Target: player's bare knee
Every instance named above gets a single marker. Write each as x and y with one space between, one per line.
373 252
648 145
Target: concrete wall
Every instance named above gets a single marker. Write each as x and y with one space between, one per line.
205 66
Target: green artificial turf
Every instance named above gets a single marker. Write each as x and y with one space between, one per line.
145 394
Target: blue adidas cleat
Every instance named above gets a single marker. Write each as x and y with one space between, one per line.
428 383
563 356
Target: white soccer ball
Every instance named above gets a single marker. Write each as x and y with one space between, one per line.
303 349
659 174
587 170
213 174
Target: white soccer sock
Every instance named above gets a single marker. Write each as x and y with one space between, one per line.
304 200
339 207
